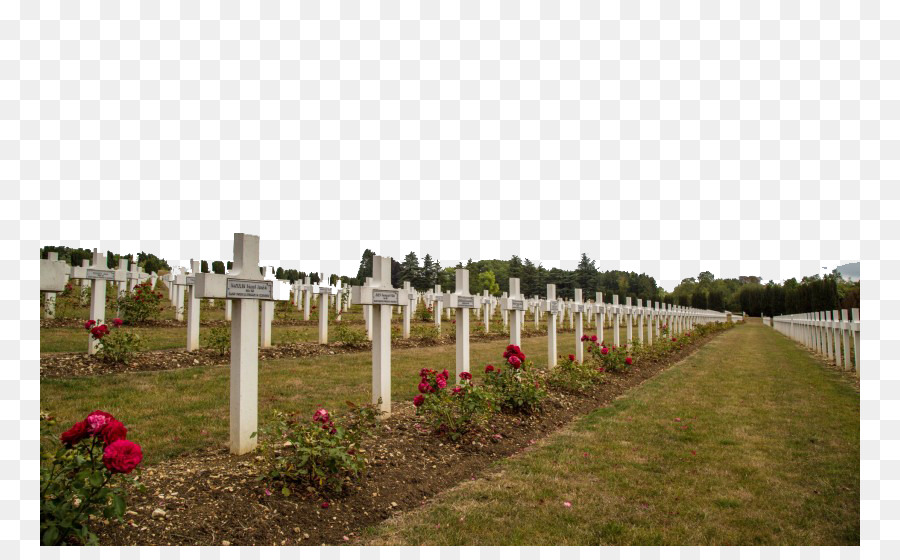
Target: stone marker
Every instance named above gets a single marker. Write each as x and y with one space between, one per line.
649 310
629 315
54 276
246 287
338 295
616 323
379 296
99 274
323 313
307 295
486 303
462 301
193 318
577 308
551 306
408 309
515 303
438 307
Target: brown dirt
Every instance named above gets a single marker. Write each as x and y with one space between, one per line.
214 498
78 364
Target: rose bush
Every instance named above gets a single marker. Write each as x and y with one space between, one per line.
116 344
141 304
451 411
512 386
322 452
76 474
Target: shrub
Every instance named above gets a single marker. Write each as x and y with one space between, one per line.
76 472
428 333
451 411
322 452
218 338
573 377
141 304
512 386
424 314
116 345
611 359
353 338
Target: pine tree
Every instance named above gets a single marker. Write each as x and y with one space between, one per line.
409 270
365 266
585 275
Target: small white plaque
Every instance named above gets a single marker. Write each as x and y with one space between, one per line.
517 304
189 281
324 289
412 297
95 274
554 307
465 301
387 297
235 288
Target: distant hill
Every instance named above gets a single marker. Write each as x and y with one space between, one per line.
849 271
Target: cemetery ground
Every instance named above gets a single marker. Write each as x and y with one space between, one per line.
750 441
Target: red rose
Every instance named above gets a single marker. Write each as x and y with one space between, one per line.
489 368
441 382
89 324
122 456
465 375
457 390
604 350
674 339
76 433
515 362
571 357
117 322
628 361
425 387
593 338
112 431
321 415
418 400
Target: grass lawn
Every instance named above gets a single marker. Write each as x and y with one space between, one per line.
747 442
171 412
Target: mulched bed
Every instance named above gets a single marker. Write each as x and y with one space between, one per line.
214 498
70 322
78 364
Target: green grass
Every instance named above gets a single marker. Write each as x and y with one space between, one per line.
748 442
172 412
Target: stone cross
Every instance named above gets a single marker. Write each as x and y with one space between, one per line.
54 275
599 316
193 318
503 311
379 296
408 309
178 285
462 301
639 310
99 274
577 308
323 313
486 314
615 310
307 295
437 306
629 316
338 291
551 306
367 311
657 320
245 286
515 303
121 286
649 310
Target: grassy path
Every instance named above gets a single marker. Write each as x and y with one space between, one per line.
747 442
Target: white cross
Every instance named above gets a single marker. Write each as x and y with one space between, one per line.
615 310
515 303
99 275
193 318
462 301
408 309
54 275
245 286
577 311
551 306
379 296
437 306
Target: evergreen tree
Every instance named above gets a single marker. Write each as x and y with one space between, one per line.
218 267
365 267
585 274
204 267
409 270
428 277
279 273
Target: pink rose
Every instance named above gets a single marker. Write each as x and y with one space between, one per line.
515 362
96 420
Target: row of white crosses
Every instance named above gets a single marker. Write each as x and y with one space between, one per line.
829 333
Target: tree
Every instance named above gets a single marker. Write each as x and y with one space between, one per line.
218 267
365 266
409 270
279 273
204 267
487 281
705 278
428 276
585 273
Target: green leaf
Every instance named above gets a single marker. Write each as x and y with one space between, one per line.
50 536
96 479
118 504
285 491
